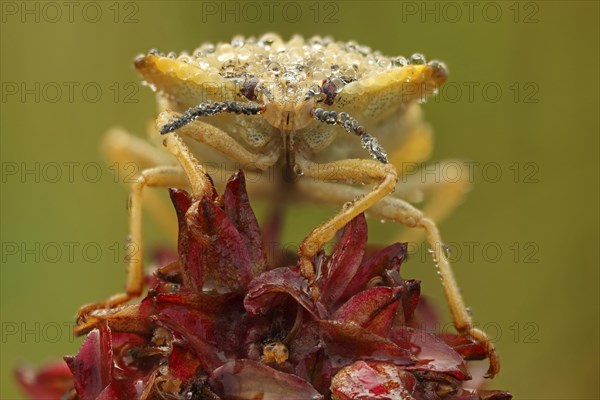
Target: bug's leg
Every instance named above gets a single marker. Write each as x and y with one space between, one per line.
219 140
359 170
128 155
191 173
162 176
441 187
395 209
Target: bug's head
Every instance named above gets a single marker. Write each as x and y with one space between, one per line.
288 103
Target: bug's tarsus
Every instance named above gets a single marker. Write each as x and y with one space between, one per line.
208 108
351 125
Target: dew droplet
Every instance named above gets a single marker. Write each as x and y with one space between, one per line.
237 41
274 68
417 59
384 63
399 61
185 58
338 83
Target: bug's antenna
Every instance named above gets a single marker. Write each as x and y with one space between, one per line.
351 125
208 108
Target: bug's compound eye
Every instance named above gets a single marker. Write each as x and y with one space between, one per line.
330 88
249 88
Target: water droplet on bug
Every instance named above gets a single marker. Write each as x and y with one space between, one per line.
274 68
384 63
338 83
400 61
417 59
237 41
243 54
185 58
319 76
203 64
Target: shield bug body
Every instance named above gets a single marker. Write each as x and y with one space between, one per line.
320 109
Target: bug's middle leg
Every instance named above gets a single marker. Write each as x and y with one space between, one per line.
395 209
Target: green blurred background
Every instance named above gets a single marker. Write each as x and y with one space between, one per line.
538 298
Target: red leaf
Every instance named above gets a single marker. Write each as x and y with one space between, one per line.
374 309
197 331
373 381
182 363
410 298
49 382
237 207
92 366
390 257
247 379
348 342
467 347
223 256
189 250
316 369
344 261
265 287
433 354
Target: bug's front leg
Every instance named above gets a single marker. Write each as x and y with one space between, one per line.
219 140
395 209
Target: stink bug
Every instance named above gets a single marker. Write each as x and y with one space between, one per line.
321 110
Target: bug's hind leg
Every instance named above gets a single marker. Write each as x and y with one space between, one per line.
162 176
191 173
440 187
128 155
399 210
